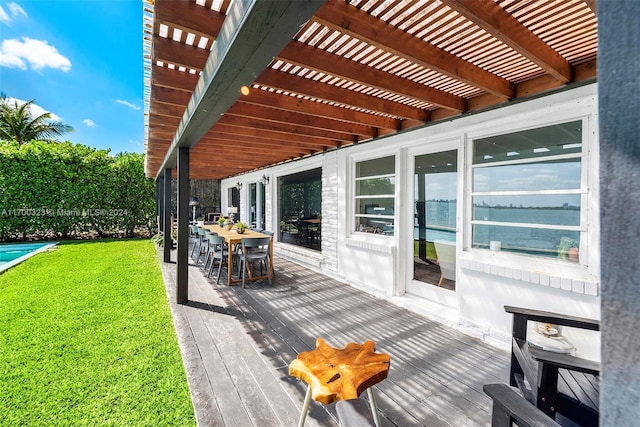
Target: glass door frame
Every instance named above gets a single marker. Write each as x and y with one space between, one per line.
408 284
256 205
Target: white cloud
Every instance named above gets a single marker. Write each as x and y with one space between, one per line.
35 109
90 123
3 16
16 9
128 104
38 53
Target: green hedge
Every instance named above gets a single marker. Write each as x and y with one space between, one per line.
59 190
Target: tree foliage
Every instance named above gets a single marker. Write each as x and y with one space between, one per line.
66 190
18 124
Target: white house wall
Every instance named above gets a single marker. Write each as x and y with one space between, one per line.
486 281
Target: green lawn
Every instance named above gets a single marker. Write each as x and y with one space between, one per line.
86 339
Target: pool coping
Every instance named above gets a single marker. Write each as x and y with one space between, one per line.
17 261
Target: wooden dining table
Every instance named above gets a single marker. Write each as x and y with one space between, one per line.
232 238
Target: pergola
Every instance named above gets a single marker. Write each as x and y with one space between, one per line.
248 84
238 86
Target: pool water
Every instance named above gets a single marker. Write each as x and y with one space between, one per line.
12 254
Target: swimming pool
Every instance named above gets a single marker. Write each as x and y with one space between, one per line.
12 254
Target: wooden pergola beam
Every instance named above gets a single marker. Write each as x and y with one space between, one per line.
163 120
319 109
173 79
180 54
293 118
288 128
270 144
169 96
303 86
591 4
493 19
168 110
350 20
259 135
322 61
189 16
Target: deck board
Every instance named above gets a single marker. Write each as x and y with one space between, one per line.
237 344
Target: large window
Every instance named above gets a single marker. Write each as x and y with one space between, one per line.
375 195
528 193
301 208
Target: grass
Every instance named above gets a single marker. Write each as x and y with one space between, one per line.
431 250
86 339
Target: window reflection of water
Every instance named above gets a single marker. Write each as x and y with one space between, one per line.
441 223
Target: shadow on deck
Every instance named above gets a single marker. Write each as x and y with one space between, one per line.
237 344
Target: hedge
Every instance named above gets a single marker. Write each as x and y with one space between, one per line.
61 189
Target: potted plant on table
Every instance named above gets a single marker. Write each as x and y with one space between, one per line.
221 221
241 227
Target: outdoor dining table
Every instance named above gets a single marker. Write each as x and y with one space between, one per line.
232 238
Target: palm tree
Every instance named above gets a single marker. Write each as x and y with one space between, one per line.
17 123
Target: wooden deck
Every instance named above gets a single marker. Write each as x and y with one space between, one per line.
237 344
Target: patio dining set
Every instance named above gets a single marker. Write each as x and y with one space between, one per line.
241 250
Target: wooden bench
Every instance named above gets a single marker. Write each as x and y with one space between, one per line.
556 383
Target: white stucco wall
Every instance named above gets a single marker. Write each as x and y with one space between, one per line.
485 281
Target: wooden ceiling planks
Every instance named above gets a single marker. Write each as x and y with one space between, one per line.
359 69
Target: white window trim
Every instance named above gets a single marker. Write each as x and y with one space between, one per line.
448 143
555 273
351 231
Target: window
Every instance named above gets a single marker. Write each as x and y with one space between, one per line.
375 196
301 208
527 192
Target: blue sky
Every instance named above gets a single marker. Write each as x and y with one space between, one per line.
80 60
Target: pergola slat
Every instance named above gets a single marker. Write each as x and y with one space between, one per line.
295 118
496 21
189 17
325 62
180 54
350 20
317 108
292 83
173 79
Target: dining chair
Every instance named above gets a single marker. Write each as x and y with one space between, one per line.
193 237
209 249
254 249
219 251
304 235
202 243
